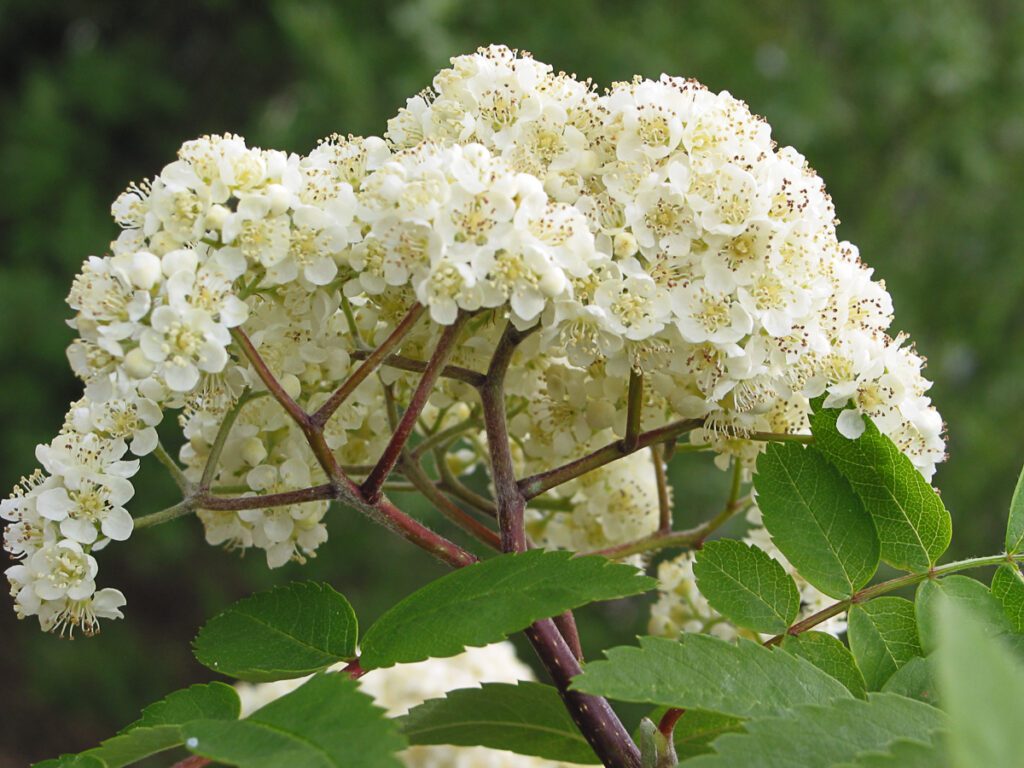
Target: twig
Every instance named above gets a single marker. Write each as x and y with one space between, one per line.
370 364
465 375
634 410
863 595
446 346
545 481
165 458
664 499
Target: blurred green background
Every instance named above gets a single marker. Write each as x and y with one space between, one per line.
912 111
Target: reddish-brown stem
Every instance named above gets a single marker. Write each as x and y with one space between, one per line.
195 761
452 511
668 721
664 500
545 481
354 669
634 410
566 624
465 375
446 346
593 715
236 503
267 377
314 434
372 362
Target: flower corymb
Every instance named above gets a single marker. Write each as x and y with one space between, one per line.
652 232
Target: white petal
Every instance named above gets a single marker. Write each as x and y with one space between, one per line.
81 531
144 442
181 378
54 504
118 524
850 424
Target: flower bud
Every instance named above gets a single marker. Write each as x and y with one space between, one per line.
216 216
624 245
291 384
136 364
253 451
144 271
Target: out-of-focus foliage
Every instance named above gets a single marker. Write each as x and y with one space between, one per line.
913 112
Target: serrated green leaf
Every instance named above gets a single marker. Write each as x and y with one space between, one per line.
820 737
1008 589
704 672
915 680
829 655
747 586
959 589
905 754
982 685
815 519
289 631
528 718
485 602
914 527
1015 523
325 723
883 637
71 761
160 726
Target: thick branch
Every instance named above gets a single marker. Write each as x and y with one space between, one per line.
593 715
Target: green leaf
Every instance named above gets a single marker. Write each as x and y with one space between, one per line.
829 655
821 736
289 631
484 602
326 723
982 685
747 586
1015 524
959 589
160 726
913 525
815 519
528 718
83 760
704 672
905 754
1008 589
915 680
883 637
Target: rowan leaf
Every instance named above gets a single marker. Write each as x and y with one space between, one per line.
528 718
287 632
746 585
1008 589
815 519
485 602
883 637
325 723
913 525
829 655
704 672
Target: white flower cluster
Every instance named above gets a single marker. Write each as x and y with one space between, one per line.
682 608
401 687
653 228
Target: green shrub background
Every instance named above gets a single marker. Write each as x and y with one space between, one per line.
912 111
